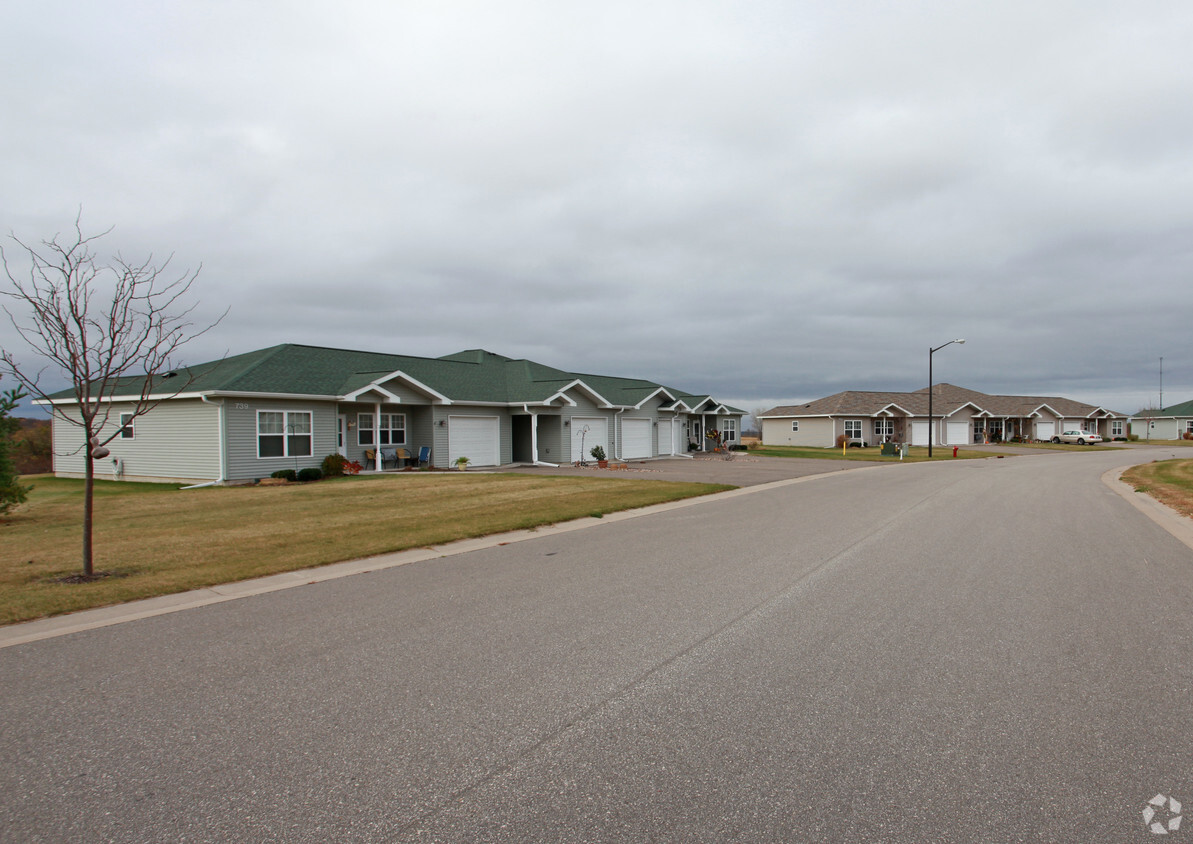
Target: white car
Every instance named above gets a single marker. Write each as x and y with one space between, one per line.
1079 437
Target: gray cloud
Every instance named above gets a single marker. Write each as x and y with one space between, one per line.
758 200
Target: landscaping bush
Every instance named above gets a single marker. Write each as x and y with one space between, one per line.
333 465
310 473
841 438
285 475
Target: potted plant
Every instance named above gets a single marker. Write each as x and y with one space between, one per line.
598 454
462 463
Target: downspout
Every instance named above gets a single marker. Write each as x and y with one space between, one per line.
223 448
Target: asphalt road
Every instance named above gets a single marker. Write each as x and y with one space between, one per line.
975 651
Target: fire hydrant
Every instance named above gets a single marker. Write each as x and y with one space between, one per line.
954 451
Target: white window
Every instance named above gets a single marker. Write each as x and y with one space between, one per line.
884 428
1116 428
795 426
126 426
853 429
1189 426
391 431
728 430
284 433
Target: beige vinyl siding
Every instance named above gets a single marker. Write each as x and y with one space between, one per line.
817 432
177 440
241 421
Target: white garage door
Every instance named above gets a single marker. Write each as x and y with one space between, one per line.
919 433
636 438
474 437
1045 430
589 431
679 443
957 433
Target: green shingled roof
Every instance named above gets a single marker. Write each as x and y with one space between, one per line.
474 375
1185 408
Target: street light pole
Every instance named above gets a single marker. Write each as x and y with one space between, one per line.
931 352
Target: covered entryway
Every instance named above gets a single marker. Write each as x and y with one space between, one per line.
587 432
679 441
636 438
476 437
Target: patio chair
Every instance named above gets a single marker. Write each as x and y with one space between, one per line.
370 459
424 456
389 455
403 457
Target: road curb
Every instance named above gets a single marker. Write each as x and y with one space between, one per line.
1181 527
78 622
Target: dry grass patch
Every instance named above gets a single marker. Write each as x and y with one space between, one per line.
1168 481
156 539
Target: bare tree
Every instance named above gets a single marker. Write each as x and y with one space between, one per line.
756 413
110 328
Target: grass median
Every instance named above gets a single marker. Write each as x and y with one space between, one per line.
1168 481
155 539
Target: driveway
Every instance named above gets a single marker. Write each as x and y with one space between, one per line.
743 470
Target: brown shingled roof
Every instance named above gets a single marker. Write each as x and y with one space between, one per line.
946 398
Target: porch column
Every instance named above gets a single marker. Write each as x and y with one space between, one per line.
534 438
377 436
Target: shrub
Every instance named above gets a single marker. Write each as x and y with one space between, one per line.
333 465
310 473
285 474
1188 435
841 439
597 452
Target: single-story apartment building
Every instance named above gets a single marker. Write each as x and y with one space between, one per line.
959 417
289 406
1171 423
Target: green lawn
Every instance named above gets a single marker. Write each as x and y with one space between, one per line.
154 539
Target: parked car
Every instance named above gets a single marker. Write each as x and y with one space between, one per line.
1079 437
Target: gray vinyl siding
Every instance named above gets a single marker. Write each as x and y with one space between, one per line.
177 440
420 431
406 394
241 421
584 407
550 438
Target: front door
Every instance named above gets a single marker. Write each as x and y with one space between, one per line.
342 436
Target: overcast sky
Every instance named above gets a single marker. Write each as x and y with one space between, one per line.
768 201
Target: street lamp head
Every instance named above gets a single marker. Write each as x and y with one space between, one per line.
962 342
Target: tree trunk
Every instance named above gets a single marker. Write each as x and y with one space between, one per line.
88 499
